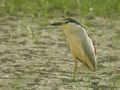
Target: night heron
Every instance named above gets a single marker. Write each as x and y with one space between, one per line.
80 43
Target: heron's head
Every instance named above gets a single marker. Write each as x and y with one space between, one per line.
65 23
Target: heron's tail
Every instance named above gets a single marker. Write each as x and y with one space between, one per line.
91 66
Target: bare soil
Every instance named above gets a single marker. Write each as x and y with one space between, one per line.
33 57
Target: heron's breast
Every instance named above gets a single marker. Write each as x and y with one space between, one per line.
76 47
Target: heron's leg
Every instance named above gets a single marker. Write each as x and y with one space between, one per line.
75 69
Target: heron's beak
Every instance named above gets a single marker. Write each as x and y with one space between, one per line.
57 24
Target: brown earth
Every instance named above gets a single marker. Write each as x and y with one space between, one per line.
34 57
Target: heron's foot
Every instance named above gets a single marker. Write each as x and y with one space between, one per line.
80 79
74 77
74 80
77 79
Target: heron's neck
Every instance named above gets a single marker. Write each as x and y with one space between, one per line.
66 28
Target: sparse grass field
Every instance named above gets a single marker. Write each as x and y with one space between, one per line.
49 8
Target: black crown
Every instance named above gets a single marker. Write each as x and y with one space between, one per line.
67 20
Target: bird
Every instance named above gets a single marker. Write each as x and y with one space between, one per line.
80 43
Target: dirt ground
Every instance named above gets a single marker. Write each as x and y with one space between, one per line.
33 57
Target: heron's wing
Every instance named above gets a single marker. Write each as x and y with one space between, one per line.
81 35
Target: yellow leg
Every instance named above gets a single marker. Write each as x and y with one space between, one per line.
75 69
